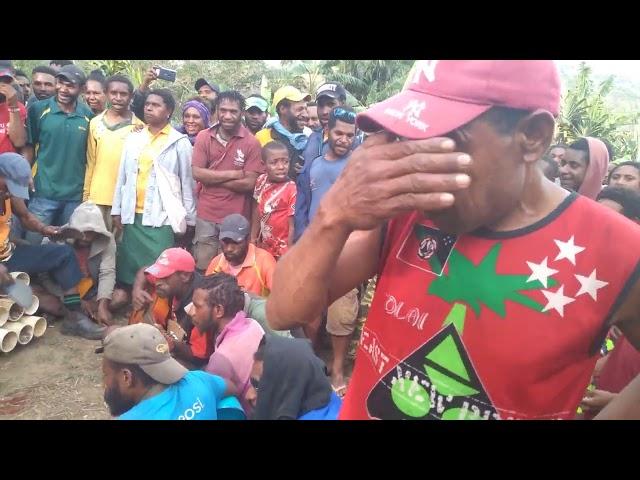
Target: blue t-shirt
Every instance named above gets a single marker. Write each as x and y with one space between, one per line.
330 412
323 175
195 397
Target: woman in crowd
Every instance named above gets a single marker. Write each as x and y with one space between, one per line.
139 203
196 116
95 92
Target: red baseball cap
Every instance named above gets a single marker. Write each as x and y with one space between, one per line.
172 260
442 95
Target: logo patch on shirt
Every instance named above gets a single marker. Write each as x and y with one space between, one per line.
426 249
238 161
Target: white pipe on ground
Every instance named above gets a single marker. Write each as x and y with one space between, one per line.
8 340
39 324
33 308
22 276
13 310
4 316
24 331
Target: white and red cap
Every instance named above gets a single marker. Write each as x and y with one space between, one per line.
442 95
170 261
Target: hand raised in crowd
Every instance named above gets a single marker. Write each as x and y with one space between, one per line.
149 77
298 167
140 298
10 93
385 178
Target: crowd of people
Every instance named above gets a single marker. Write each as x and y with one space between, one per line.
233 242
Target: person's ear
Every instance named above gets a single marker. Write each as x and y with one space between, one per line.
534 134
127 377
218 311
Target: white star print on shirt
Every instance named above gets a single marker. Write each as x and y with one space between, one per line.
540 271
590 285
568 250
557 300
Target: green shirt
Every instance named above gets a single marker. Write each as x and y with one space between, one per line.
60 142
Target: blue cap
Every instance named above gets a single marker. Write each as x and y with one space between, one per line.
16 171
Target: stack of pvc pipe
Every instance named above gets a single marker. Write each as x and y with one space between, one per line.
15 327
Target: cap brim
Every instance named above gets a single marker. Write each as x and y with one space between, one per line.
328 93
295 98
416 115
167 372
232 236
160 271
262 109
17 190
68 79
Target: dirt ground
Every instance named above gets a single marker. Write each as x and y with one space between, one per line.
57 377
54 377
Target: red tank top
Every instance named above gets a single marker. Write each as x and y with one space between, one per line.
491 325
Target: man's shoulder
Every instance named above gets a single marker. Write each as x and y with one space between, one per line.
94 122
215 263
40 106
194 377
83 110
264 136
248 139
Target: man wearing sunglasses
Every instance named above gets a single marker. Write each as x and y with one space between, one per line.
313 183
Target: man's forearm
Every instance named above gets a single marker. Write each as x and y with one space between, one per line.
243 185
140 282
626 405
28 153
302 277
215 177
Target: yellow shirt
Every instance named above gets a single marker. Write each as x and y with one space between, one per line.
156 143
264 136
104 149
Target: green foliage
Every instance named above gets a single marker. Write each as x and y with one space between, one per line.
586 111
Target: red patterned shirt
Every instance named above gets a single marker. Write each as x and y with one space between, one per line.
276 205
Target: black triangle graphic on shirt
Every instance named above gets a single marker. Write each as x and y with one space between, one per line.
436 381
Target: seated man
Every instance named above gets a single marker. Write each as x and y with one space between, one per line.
252 266
95 251
143 382
163 294
218 303
57 260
